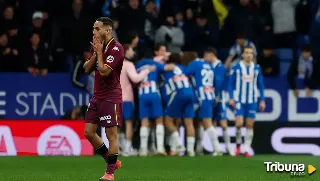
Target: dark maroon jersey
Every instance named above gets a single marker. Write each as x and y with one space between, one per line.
108 87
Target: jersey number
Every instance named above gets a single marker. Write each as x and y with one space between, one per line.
207 77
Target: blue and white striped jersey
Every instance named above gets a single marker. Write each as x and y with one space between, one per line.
150 83
246 83
176 80
207 81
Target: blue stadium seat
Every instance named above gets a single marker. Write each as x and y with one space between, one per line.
223 53
284 67
284 54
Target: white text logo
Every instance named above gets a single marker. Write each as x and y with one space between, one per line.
110 59
106 118
293 169
2 103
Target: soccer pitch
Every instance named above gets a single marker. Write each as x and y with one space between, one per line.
204 168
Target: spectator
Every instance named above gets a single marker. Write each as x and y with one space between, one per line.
269 62
170 34
303 69
36 56
115 28
8 17
179 18
9 59
135 22
132 40
77 33
235 53
200 35
284 26
151 21
240 19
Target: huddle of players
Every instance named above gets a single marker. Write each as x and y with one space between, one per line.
204 82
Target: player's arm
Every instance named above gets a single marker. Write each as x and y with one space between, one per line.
231 82
88 66
260 85
190 68
169 67
218 79
136 77
231 55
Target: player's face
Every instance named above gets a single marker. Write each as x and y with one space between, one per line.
161 52
306 55
100 30
208 56
247 54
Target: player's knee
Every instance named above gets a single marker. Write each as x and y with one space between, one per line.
159 120
89 134
249 124
224 124
145 122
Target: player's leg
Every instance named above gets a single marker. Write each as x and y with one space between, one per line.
127 116
144 114
113 114
206 113
188 115
200 132
221 117
157 112
250 118
90 130
238 124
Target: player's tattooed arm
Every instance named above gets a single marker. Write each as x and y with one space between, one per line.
88 66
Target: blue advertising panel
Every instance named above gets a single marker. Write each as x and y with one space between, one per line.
23 96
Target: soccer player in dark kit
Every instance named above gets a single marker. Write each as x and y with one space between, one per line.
106 104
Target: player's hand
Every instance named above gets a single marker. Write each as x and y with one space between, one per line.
308 92
97 44
152 68
262 106
232 103
296 93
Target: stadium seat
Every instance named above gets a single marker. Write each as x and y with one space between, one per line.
223 53
302 40
284 67
284 54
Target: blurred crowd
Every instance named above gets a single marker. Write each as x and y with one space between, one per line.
41 36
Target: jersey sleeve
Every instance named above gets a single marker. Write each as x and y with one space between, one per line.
260 84
232 79
115 56
159 66
191 68
218 79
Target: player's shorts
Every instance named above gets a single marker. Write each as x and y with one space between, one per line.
181 105
246 110
220 111
150 106
206 109
108 113
128 110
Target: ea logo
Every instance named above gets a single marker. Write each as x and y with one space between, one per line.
59 140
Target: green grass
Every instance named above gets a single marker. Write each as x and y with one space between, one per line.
204 168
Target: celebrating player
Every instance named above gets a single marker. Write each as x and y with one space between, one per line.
150 105
128 74
220 112
208 83
106 104
245 85
180 105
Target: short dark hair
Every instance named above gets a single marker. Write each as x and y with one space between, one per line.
158 46
106 21
306 48
174 58
241 35
210 50
248 47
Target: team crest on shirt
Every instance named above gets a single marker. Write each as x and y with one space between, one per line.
115 48
110 59
247 78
